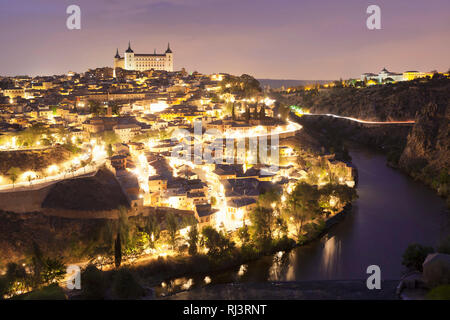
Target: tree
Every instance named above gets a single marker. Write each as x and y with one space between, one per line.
117 251
83 164
193 240
270 198
13 174
262 219
15 279
153 229
215 242
53 270
243 234
415 255
233 112
94 107
110 150
301 205
213 201
115 108
172 228
110 137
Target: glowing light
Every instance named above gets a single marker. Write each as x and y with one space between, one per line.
242 270
268 102
52 169
207 280
158 106
29 175
188 284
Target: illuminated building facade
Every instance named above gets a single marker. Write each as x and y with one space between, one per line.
144 61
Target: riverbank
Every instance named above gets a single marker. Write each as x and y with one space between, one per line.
163 273
304 290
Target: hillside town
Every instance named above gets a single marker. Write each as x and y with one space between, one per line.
126 120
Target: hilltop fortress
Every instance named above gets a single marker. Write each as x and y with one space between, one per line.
144 61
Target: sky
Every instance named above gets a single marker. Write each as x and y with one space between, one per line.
277 39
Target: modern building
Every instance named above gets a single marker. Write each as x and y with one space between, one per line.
144 61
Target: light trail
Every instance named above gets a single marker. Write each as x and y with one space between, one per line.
359 120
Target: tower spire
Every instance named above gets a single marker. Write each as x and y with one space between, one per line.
117 54
168 48
129 47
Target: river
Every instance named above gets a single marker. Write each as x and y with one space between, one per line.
391 212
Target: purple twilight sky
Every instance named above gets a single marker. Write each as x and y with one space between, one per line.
280 39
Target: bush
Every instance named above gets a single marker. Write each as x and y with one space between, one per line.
93 284
439 293
4 287
283 244
415 255
125 285
51 292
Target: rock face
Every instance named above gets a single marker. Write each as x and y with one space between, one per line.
427 152
436 269
399 101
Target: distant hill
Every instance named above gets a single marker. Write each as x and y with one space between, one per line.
278 83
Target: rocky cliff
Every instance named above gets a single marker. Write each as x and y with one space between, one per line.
423 151
427 152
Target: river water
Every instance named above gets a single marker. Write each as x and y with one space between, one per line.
391 212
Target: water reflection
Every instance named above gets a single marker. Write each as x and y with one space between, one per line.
331 254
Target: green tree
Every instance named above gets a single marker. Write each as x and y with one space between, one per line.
110 137
110 150
193 240
262 220
414 256
301 205
13 174
243 234
118 251
216 242
94 107
270 198
153 229
53 270
172 228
